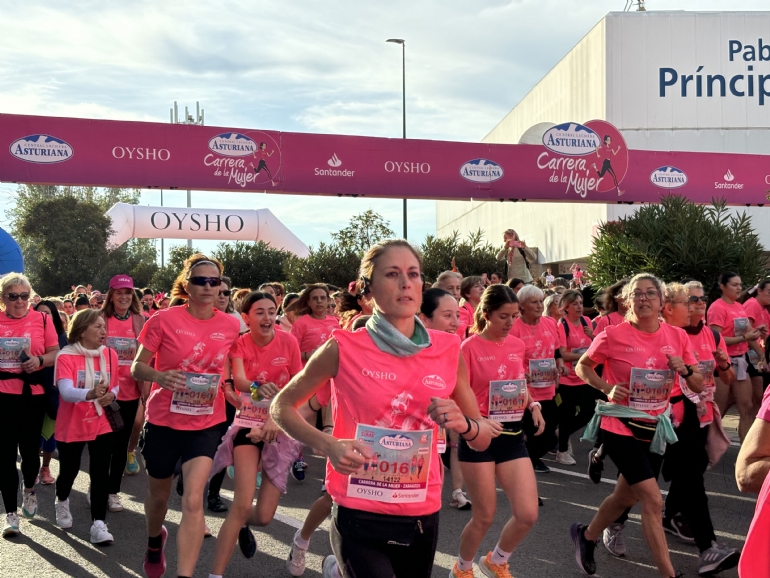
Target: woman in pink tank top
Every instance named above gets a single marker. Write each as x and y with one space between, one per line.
394 384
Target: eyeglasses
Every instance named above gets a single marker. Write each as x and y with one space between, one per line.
225 293
694 299
649 295
17 296
203 281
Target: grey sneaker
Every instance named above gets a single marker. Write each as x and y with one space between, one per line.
612 538
717 558
11 527
29 504
330 568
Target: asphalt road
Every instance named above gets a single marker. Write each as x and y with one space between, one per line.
43 550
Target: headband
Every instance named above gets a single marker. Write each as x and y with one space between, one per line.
206 262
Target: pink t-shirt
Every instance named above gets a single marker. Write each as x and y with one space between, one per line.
541 342
79 422
276 363
490 361
577 339
187 344
14 334
758 315
622 347
467 312
613 318
725 316
755 558
379 389
122 339
312 333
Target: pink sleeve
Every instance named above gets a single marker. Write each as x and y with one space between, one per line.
236 351
764 410
687 353
600 323
152 333
296 329
753 311
65 368
295 359
599 349
50 337
561 335
717 316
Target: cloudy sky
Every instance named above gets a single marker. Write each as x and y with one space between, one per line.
302 65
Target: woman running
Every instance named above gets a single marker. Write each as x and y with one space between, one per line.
471 289
262 362
606 151
729 318
394 383
186 406
756 302
543 366
495 361
577 397
123 319
263 155
29 344
87 377
641 361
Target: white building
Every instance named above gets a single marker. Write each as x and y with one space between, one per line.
678 81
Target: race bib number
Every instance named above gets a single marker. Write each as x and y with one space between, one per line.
753 357
198 396
441 441
740 326
542 372
507 400
398 472
81 382
10 349
253 414
125 347
709 385
650 389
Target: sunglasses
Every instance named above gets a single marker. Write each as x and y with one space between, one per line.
226 293
695 299
203 281
17 296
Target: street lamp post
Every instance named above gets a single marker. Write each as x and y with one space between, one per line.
402 42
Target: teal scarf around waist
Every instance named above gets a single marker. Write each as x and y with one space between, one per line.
664 430
390 340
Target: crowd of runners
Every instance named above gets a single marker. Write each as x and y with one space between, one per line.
399 382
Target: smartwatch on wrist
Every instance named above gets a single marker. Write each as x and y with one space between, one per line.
689 372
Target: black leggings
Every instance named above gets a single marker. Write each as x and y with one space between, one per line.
99 454
120 441
21 421
380 546
576 410
538 446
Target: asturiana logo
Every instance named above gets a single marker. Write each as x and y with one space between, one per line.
655 376
41 149
571 139
279 361
199 380
434 382
396 442
668 177
232 144
509 387
481 171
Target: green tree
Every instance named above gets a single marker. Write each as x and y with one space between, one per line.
363 231
249 264
472 255
164 277
326 264
675 240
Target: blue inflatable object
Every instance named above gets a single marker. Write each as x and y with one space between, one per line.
11 258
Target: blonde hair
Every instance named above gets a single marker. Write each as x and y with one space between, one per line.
672 291
446 275
12 279
693 285
177 289
81 321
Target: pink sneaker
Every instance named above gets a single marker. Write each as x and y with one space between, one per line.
45 476
155 560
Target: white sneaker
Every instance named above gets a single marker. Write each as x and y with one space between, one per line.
114 504
99 533
330 568
565 459
459 500
612 538
29 504
63 515
11 527
295 563
569 448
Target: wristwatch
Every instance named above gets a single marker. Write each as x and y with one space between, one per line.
40 359
689 372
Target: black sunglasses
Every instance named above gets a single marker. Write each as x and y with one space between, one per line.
202 281
225 293
695 298
17 296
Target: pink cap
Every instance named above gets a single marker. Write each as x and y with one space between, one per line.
121 282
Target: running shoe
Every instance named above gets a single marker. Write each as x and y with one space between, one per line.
246 542
330 568
295 563
539 466
100 534
216 504
298 470
595 466
45 476
493 570
155 560
717 558
29 504
565 459
11 527
63 514
584 549
132 465
114 504
455 572
460 500
678 526
612 538
231 472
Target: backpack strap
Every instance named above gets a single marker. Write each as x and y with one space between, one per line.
566 327
717 336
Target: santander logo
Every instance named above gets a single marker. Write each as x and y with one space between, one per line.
434 382
729 176
334 161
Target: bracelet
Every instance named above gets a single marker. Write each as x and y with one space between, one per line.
254 389
328 427
478 431
535 404
724 368
469 425
40 359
